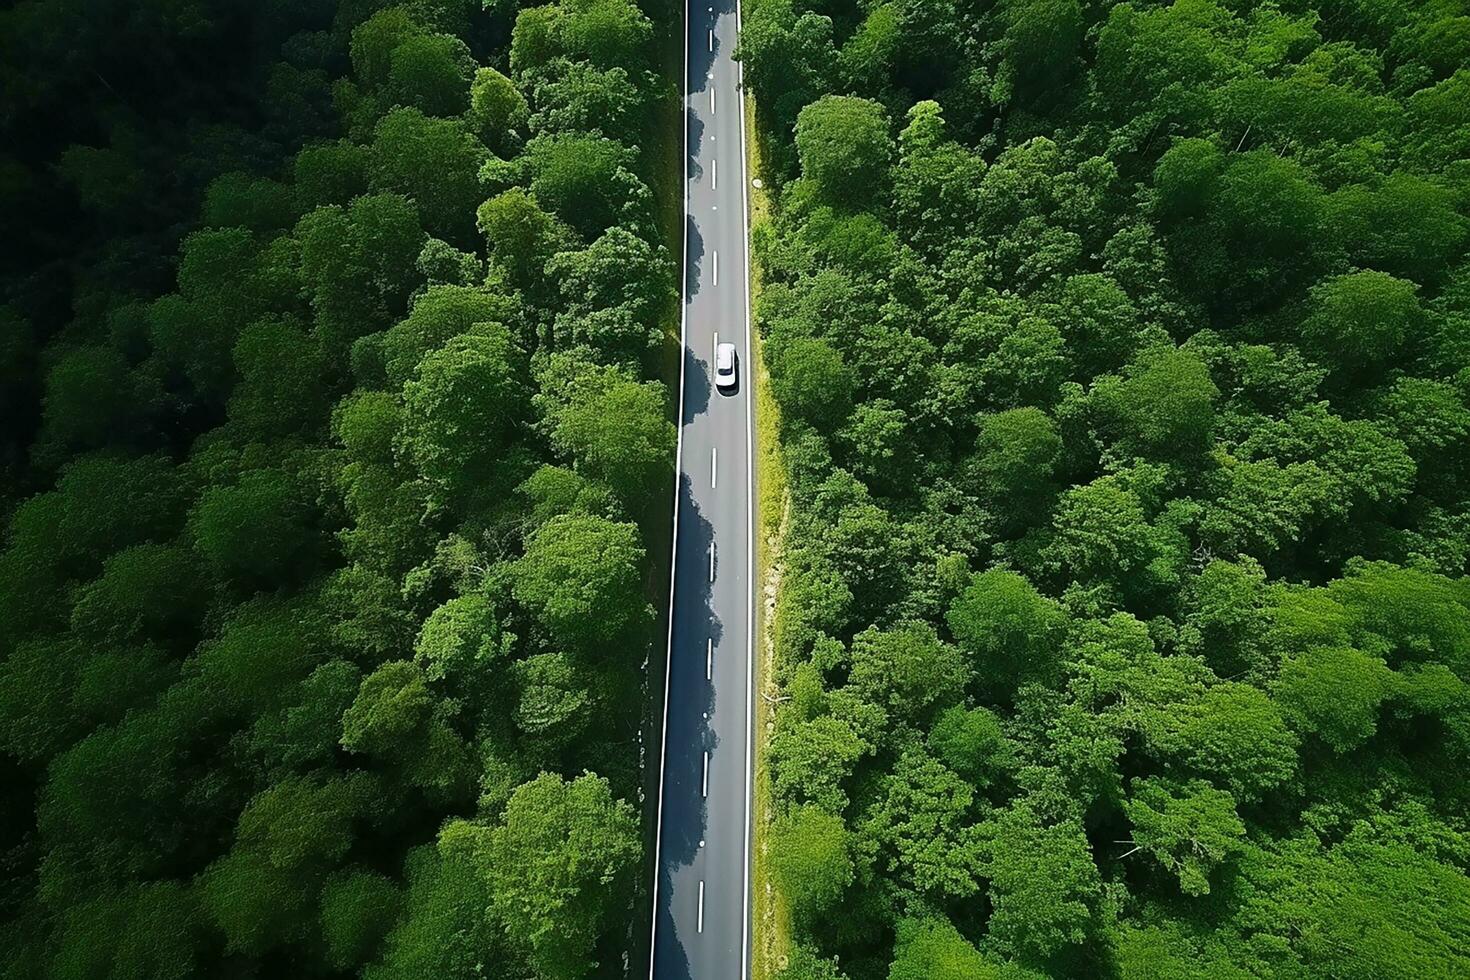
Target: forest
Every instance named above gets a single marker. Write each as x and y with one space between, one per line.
1122 353
333 448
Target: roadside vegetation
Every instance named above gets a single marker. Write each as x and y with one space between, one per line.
771 928
332 439
1121 358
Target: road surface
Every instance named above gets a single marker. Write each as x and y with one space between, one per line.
701 916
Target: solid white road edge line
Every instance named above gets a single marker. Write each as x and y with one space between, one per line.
749 518
658 825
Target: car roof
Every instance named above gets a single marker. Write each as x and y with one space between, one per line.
725 356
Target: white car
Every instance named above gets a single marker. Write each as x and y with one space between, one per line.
725 367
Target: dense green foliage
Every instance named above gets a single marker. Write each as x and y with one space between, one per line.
1122 357
330 446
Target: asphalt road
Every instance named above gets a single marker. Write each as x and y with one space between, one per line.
701 928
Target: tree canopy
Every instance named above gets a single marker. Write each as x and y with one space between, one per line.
1122 386
323 610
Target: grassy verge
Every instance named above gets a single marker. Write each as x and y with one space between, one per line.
771 924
